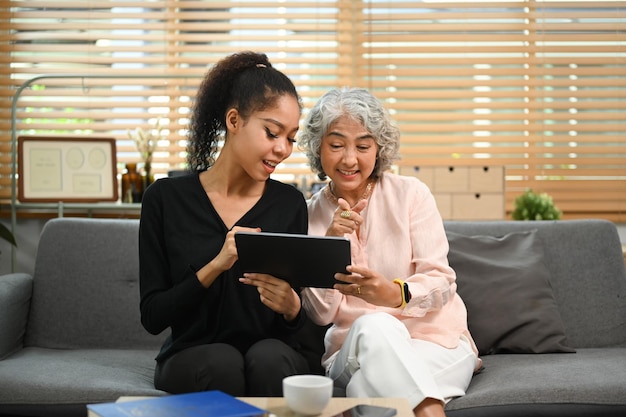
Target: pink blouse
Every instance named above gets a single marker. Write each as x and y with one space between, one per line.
402 236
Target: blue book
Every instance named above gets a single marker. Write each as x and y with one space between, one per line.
196 404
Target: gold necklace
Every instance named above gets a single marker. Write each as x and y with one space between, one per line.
332 197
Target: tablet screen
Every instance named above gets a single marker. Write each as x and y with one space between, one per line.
301 260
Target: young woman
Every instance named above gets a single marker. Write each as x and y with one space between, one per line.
229 332
399 327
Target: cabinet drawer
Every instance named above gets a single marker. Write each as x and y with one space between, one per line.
486 179
478 206
425 174
451 179
444 204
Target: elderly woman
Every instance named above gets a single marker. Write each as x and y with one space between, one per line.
399 326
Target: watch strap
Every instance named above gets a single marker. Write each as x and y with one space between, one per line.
404 290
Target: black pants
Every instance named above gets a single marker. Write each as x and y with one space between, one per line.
218 366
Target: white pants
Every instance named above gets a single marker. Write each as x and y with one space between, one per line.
379 359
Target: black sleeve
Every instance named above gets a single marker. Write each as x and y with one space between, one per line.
162 302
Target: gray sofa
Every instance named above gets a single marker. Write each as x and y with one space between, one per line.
71 334
583 307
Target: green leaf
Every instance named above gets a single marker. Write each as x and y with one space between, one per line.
534 206
6 234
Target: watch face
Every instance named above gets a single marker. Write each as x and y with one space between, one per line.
407 293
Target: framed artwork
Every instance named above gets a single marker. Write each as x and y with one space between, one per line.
72 169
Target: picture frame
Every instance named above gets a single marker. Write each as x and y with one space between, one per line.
68 169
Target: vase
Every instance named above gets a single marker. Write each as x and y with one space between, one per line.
148 177
132 184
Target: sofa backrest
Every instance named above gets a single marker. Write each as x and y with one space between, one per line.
86 286
86 281
587 274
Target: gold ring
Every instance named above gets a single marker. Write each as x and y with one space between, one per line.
346 214
358 290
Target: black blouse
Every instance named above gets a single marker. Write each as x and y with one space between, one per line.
180 232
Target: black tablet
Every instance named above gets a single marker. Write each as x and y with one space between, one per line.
301 260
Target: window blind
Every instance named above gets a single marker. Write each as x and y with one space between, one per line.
538 87
534 86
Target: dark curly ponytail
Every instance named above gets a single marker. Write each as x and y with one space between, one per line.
246 81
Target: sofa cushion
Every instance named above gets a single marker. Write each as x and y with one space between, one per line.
587 273
505 286
536 383
75 376
86 287
15 293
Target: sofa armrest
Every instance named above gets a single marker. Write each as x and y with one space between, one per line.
15 295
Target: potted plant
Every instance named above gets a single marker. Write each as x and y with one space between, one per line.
535 206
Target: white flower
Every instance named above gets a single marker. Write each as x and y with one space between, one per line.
147 140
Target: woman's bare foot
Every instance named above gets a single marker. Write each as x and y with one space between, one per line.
430 407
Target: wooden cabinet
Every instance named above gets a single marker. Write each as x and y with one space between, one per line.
464 192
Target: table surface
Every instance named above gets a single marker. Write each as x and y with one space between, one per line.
278 406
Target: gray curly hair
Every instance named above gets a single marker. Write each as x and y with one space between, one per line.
360 105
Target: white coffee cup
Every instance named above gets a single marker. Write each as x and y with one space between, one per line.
307 394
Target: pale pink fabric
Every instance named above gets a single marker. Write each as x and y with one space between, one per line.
402 237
